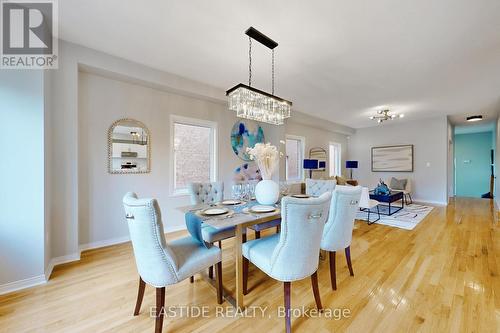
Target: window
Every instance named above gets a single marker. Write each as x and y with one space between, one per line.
294 156
335 152
193 152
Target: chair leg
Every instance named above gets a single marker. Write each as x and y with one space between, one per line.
140 296
191 279
160 303
278 229
245 276
333 274
257 234
348 258
315 287
288 321
411 199
211 269
218 279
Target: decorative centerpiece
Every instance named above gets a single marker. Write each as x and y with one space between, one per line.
267 158
382 189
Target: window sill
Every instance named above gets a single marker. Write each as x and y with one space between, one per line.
179 193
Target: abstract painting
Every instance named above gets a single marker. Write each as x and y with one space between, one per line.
243 135
247 172
392 158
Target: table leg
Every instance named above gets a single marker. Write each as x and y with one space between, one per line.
239 267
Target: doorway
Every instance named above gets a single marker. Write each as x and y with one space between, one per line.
474 169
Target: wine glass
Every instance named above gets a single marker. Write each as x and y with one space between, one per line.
252 190
284 188
236 191
245 191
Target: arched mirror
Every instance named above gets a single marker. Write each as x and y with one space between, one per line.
129 147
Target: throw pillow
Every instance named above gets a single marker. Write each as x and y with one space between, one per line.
341 180
398 184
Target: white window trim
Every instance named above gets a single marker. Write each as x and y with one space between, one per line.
213 150
339 147
301 158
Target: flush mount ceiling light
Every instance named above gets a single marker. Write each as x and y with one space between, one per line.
475 118
384 115
251 103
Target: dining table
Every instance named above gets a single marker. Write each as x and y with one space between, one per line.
240 216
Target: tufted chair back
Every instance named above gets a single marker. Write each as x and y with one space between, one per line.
317 187
297 252
206 192
156 263
338 230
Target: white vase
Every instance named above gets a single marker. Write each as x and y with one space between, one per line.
267 192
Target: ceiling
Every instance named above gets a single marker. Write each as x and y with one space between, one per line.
337 60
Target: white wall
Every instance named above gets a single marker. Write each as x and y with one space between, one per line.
450 141
22 177
429 137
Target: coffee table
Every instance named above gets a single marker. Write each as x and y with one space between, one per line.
390 198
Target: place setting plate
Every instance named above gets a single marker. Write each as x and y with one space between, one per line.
301 196
214 211
262 209
232 202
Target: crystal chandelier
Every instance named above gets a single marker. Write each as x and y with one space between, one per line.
251 103
384 115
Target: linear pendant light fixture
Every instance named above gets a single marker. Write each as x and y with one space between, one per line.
251 103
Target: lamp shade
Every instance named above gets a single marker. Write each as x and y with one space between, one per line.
310 164
351 164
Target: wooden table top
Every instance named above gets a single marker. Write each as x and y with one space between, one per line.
238 215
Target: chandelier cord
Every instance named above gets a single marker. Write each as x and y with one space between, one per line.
272 80
250 61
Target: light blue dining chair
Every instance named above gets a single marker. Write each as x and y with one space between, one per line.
293 254
316 187
160 264
207 193
338 229
210 193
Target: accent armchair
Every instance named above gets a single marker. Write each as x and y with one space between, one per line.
407 190
337 234
293 254
160 264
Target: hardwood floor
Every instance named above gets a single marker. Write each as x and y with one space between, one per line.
441 277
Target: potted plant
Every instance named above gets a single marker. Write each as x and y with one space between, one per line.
267 158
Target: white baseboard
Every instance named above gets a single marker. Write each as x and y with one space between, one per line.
430 202
175 228
41 279
22 284
59 261
104 243
120 240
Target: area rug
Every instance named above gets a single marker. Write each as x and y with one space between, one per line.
407 218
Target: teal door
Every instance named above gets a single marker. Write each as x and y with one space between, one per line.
473 164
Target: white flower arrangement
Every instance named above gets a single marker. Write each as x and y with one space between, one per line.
267 158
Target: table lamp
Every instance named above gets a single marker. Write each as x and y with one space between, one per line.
351 165
310 165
